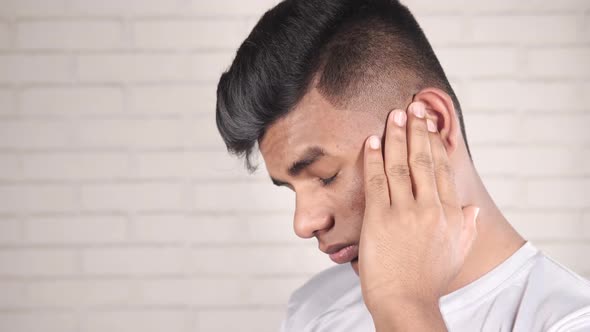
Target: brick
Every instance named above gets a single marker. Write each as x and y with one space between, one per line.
204 133
493 95
559 193
441 30
161 228
478 62
164 165
549 96
132 133
57 165
273 228
525 29
37 321
77 293
208 67
491 128
133 261
231 7
243 320
5 36
586 30
546 225
194 291
37 198
586 226
243 196
10 231
196 229
37 262
585 94
86 229
124 8
555 129
530 161
571 255
273 291
32 8
7 102
246 229
164 99
127 320
531 96
69 35
10 167
12 294
39 134
194 164
132 196
185 34
506 192
259 261
28 68
558 62
139 67
72 100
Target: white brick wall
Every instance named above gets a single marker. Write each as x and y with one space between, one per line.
112 172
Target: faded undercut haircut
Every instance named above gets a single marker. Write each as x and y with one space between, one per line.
347 49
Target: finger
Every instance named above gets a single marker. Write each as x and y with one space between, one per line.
376 187
443 170
419 156
396 159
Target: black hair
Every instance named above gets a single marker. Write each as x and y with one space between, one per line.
344 47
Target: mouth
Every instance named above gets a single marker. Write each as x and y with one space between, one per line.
346 254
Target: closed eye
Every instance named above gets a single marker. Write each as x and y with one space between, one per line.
328 181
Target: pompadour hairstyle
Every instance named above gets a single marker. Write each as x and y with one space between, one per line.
347 49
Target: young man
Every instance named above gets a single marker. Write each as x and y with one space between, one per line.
351 109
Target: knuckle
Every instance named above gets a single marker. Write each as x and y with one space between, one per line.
445 170
422 160
420 129
398 171
378 182
397 136
450 206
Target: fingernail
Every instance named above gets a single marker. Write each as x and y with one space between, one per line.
431 126
374 142
476 214
400 118
419 110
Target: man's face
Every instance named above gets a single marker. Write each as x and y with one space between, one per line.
327 207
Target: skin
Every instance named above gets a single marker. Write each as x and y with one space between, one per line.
401 231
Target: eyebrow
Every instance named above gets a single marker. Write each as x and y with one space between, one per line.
309 156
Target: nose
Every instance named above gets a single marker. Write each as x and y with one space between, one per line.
310 216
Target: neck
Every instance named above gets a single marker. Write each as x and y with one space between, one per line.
496 238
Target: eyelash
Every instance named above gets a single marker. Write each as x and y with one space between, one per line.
328 181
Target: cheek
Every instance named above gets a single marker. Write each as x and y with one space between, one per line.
355 200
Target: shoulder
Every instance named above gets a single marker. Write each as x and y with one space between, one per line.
559 297
321 292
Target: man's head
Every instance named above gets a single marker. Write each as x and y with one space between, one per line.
313 79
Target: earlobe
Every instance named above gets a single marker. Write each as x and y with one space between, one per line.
441 110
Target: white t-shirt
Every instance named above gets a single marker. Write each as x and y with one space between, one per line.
527 292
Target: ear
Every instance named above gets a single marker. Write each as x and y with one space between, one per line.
440 109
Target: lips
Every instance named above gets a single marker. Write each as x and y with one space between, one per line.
345 254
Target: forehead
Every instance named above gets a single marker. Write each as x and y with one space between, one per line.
314 121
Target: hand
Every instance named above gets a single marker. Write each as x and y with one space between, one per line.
415 234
